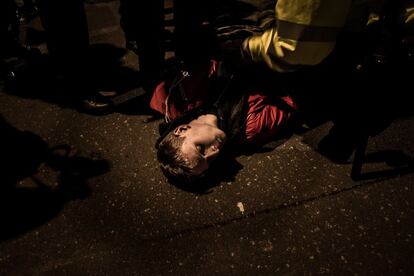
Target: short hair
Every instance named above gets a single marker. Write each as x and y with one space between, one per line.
172 162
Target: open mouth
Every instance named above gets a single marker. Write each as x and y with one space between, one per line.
219 142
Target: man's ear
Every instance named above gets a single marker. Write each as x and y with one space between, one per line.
181 129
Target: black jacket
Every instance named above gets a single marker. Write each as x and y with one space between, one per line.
230 107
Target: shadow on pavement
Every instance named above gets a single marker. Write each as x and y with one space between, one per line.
102 70
398 164
27 204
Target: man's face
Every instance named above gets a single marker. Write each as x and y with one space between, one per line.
202 143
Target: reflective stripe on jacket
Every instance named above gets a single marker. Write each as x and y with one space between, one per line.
305 31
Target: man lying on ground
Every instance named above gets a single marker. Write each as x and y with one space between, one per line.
240 115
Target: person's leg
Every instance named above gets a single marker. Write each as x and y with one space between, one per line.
129 21
7 15
149 42
193 40
143 24
67 31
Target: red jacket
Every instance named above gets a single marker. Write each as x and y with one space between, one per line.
265 116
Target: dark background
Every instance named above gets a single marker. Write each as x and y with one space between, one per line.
99 204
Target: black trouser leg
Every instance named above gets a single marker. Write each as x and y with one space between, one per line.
150 48
66 29
194 41
7 13
143 22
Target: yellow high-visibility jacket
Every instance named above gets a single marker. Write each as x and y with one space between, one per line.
408 17
305 32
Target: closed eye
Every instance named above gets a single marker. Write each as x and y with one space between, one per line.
201 149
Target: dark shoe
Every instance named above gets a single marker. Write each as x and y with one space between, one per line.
97 105
105 102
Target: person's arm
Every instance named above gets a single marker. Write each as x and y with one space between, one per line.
266 117
304 34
